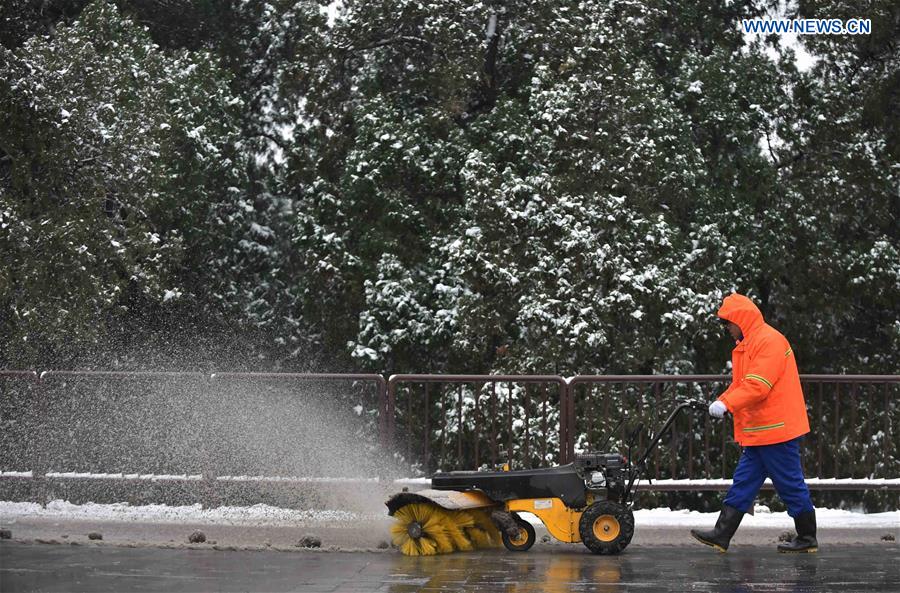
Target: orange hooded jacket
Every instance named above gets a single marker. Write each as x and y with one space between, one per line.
765 396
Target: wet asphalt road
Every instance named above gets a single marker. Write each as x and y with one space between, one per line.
32 567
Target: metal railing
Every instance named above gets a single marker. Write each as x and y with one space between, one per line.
173 428
845 441
638 399
431 421
504 417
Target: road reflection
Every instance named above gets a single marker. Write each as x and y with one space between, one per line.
512 573
565 572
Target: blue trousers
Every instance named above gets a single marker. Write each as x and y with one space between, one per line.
781 462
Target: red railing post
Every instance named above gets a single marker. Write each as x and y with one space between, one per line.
390 399
208 492
570 422
38 452
387 394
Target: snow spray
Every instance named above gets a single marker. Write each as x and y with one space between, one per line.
152 437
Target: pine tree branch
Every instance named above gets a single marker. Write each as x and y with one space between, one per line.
771 152
271 137
385 42
795 159
487 93
490 59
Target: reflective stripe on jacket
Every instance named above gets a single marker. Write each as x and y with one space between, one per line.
765 397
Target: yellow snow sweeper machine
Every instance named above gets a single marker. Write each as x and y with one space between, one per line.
588 501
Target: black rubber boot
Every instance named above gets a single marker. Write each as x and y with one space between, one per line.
805 542
721 535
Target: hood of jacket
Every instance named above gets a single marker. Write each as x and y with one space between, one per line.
740 310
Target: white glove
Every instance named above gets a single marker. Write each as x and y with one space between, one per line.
717 409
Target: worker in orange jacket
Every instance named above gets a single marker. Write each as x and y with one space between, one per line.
766 402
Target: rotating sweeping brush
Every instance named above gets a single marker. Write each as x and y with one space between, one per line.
457 528
422 529
483 534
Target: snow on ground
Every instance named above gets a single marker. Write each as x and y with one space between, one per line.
259 514
142 477
265 515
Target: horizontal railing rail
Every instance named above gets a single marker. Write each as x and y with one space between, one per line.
664 485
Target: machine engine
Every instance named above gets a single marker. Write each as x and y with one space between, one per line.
602 472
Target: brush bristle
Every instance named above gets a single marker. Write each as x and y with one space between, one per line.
436 526
478 537
443 531
458 521
483 522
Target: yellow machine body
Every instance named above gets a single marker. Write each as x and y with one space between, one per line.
560 520
440 521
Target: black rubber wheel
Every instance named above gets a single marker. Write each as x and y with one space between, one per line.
522 542
606 527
